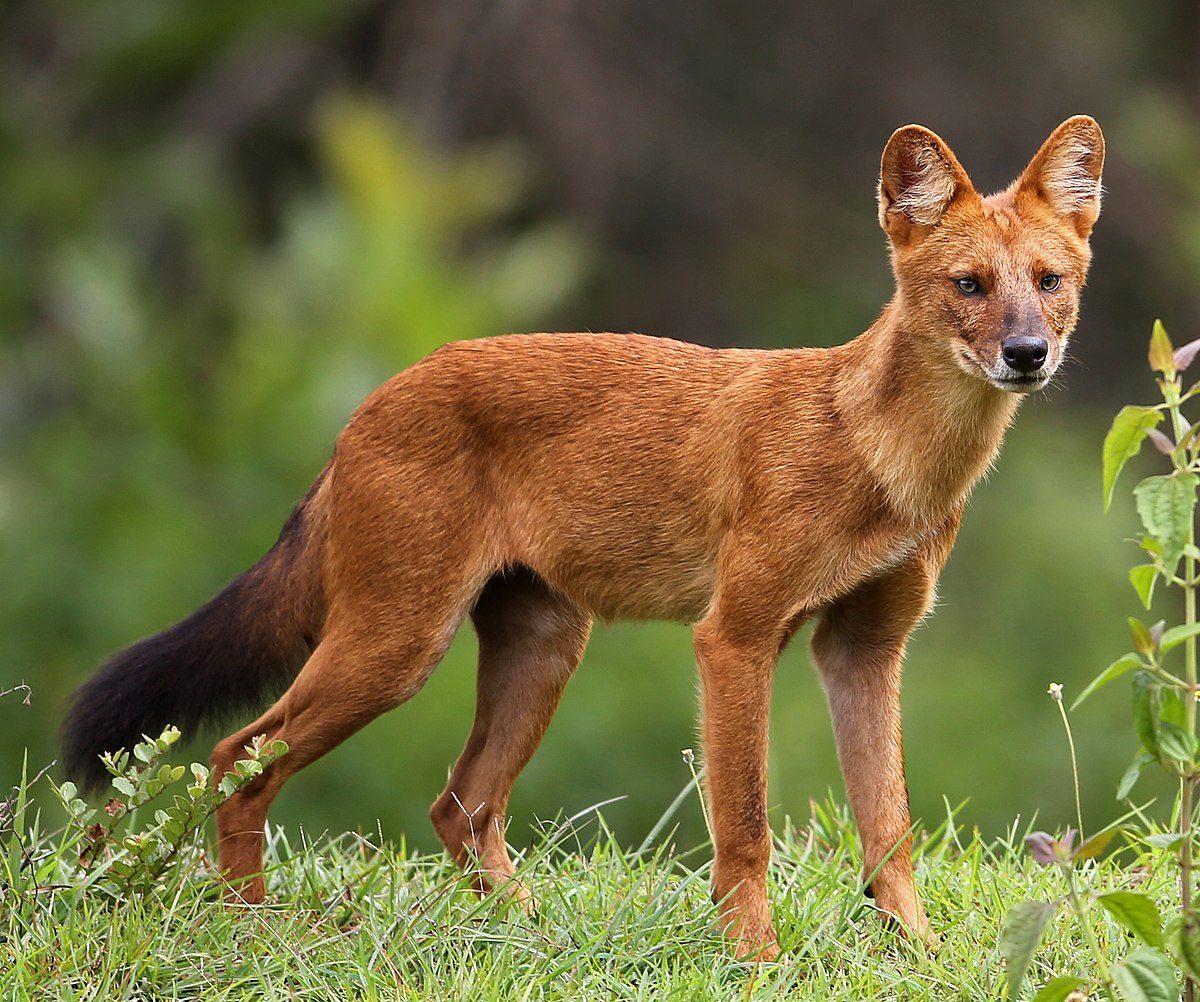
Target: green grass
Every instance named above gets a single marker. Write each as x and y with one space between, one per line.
356 918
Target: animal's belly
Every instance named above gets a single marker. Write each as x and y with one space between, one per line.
662 586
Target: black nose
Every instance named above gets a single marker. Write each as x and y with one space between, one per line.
1023 352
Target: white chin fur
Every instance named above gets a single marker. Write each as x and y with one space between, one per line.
1006 379
1025 384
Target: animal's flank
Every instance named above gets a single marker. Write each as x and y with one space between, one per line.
240 648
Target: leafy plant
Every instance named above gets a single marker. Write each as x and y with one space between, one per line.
121 858
108 851
1164 713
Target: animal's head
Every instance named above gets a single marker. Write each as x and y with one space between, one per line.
992 283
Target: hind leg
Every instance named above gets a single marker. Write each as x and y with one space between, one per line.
352 677
530 641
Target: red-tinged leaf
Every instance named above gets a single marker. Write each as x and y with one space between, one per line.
1186 355
1143 642
1042 848
1095 845
1161 442
1156 633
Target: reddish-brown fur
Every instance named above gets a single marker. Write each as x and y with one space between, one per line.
534 482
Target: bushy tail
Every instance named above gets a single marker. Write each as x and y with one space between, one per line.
230 655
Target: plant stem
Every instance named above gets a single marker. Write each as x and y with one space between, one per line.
1187 781
1089 936
1074 767
697 777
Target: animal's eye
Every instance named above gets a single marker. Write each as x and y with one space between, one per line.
967 286
1050 283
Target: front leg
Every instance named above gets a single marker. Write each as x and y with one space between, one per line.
858 646
736 675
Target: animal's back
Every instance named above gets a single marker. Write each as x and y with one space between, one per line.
606 460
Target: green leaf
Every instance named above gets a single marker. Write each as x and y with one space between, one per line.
1124 441
1143 578
1187 944
123 785
1019 937
1176 635
1162 353
1131 775
1142 639
1172 710
1165 505
1146 976
1058 989
1121 666
1135 912
1176 743
1165 840
1143 712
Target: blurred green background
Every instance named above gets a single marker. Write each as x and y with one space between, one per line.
225 223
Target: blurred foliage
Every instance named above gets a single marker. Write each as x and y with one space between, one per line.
225 224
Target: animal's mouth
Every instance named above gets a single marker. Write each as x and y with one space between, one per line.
1008 380
1021 382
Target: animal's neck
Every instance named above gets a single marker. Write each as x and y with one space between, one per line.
926 430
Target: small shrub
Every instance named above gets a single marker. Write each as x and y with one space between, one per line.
135 842
121 858
1164 717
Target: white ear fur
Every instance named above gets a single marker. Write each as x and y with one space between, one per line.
918 179
930 190
1068 179
1066 171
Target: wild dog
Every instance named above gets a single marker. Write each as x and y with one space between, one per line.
535 482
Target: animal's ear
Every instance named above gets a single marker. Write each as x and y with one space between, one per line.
918 179
1066 171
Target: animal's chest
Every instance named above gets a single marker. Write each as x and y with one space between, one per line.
849 560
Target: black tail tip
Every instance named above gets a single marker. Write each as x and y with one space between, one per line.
82 745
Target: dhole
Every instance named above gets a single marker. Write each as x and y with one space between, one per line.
533 483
